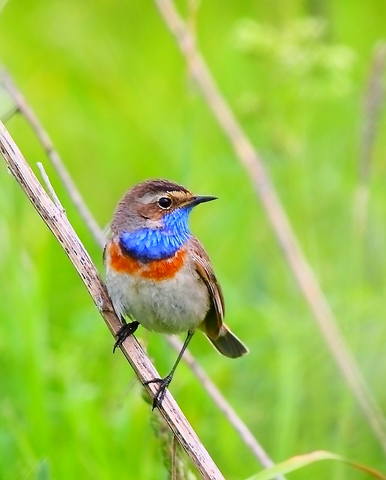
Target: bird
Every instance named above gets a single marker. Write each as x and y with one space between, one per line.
158 274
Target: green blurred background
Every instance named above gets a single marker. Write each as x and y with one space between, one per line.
107 81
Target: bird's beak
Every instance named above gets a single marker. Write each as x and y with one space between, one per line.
200 199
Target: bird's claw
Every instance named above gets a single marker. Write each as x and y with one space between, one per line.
160 394
125 331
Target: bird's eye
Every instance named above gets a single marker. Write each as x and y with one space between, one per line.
164 202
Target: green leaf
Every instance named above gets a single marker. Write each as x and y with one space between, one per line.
300 461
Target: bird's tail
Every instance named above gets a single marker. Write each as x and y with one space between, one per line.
228 344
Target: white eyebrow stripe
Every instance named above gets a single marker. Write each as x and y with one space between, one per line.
149 198
152 197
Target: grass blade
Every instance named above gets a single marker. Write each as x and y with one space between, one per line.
300 461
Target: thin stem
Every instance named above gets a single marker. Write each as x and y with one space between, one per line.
50 188
241 428
285 235
66 236
373 104
53 155
173 459
218 398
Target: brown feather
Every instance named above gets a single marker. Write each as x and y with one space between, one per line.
214 319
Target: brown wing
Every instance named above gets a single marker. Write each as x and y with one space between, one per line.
214 318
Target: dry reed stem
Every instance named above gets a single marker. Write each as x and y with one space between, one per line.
219 399
52 154
372 108
59 225
50 188
241 428
254 166
373 103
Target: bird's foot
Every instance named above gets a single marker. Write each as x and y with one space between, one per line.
163 385
125 331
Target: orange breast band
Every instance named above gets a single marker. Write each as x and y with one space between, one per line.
121 263
154 270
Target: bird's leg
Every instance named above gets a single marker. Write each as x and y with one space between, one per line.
165 382
125 331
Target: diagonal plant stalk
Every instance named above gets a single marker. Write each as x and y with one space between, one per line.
49 149
58 223
285 235
218 398
372 109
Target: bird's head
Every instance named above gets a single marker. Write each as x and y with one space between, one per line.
155 204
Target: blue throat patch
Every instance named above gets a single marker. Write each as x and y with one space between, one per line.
147 244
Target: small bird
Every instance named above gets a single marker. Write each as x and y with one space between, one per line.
159 275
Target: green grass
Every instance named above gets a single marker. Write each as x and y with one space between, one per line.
107 81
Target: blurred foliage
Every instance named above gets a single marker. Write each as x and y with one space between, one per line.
310 66
108 82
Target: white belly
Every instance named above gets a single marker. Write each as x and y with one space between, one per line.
168 306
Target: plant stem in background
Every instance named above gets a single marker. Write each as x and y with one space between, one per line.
26 111
373 102
301 269
52 154
63 231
